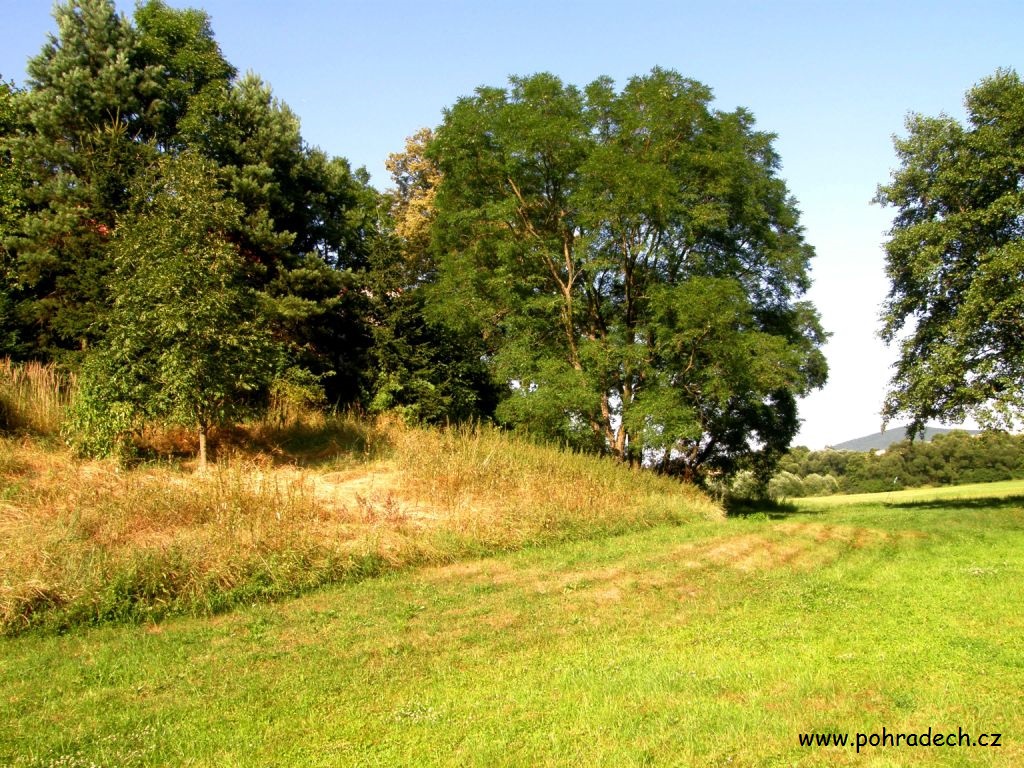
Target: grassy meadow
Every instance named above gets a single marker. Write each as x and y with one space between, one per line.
465 598
943 494
713 643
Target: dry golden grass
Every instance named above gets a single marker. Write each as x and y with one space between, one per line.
506 488
33 396
90 541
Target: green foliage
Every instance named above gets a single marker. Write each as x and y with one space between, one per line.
11 204
106 99
633 265
820 485
424 369
88 104
305 221
187 342
295 393
102 416
955 260
785 485
180 45
745 485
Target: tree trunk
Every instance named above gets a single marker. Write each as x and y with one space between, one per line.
202 447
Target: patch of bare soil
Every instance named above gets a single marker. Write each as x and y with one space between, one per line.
370 495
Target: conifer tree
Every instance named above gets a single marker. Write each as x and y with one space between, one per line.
86 117
11 203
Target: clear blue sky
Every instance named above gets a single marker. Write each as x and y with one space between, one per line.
833 80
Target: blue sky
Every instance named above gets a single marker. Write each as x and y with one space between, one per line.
833 80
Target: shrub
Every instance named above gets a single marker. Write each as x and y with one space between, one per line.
786 485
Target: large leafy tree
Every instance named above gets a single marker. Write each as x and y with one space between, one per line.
421 367
188 341
634 264
955 259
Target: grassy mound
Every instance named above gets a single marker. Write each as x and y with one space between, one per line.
87 542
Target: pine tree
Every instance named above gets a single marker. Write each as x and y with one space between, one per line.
11 203
87 112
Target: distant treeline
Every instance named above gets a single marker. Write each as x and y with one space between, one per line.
951 459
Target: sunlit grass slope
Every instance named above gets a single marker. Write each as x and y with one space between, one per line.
711 644
89 541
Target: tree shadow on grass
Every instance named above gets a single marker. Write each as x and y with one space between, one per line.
310 444
984 502
766 509
319 444
781 510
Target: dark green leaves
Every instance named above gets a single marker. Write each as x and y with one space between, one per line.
632 263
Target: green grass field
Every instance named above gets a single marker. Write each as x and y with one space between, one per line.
709 643
944 494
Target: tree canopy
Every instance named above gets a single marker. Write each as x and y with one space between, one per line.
619 270
955 260
106 98
634 264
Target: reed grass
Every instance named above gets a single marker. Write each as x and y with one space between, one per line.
33 396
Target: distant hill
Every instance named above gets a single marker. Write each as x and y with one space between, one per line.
881 440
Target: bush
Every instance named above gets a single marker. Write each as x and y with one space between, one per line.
786 485
820 485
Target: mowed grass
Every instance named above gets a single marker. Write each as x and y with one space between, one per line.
703 644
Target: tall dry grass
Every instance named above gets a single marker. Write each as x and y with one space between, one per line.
507 489
33 396
86 542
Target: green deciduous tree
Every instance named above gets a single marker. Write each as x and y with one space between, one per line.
187 342
179 48
634 264
955 259
420 367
